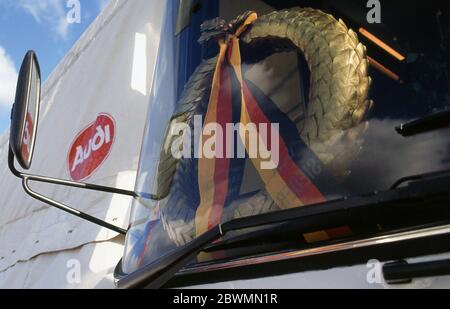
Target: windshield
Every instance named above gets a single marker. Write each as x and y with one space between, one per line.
295 105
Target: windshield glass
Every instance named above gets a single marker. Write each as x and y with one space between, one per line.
295 106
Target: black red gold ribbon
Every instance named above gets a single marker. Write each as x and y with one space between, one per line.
287 184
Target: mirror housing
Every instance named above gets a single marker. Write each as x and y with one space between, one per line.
24 123
25 113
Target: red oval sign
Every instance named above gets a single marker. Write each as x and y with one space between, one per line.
91 148
27 138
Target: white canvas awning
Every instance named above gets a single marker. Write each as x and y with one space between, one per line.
110 71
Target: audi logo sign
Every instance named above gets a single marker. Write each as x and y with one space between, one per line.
91 148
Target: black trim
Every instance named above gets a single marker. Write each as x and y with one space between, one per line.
20 109
401 272
382 253
155 275
433 122
419 177
65 183
25 182
68 209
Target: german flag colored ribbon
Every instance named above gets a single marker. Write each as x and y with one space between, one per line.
287 184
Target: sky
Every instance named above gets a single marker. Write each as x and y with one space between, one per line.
49 27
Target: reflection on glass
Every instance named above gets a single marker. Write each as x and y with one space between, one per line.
305 71
29 125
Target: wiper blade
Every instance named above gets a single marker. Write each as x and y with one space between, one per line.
157 274
332 219
433 122
404 180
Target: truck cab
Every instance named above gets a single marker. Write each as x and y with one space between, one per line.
287 144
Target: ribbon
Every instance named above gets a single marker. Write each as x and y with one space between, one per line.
287 183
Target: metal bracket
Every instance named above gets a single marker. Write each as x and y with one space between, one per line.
25 183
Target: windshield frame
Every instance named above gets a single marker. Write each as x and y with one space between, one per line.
344 205
417 190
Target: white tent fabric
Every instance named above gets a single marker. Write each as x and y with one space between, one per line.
109 70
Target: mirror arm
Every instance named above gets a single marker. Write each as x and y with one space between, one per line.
24 121
25 182
11 164
66 183
68 209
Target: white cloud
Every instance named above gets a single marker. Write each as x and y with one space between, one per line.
51 12
8 79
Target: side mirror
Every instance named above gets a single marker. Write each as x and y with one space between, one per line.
24 121
25 113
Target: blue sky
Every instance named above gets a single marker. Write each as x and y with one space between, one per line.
41 25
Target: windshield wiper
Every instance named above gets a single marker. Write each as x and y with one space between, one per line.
157 274
404 180
433 122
